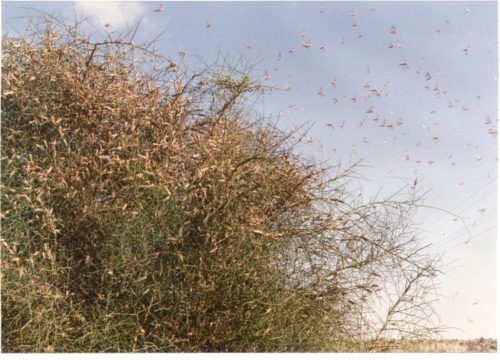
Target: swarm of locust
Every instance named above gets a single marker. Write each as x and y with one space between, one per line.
145 207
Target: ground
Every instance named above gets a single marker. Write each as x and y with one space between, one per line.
455 345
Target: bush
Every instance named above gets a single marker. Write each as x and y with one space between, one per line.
147 208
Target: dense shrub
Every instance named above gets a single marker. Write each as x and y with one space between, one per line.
146 207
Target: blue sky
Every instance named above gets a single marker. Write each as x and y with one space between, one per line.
439 110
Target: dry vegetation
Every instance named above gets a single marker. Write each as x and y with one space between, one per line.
452 346
146 207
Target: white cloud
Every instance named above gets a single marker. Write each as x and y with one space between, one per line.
117 15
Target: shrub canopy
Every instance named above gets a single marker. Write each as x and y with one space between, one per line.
146 207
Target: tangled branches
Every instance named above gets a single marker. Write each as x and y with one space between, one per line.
145 208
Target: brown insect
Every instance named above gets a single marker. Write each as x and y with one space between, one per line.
160 9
